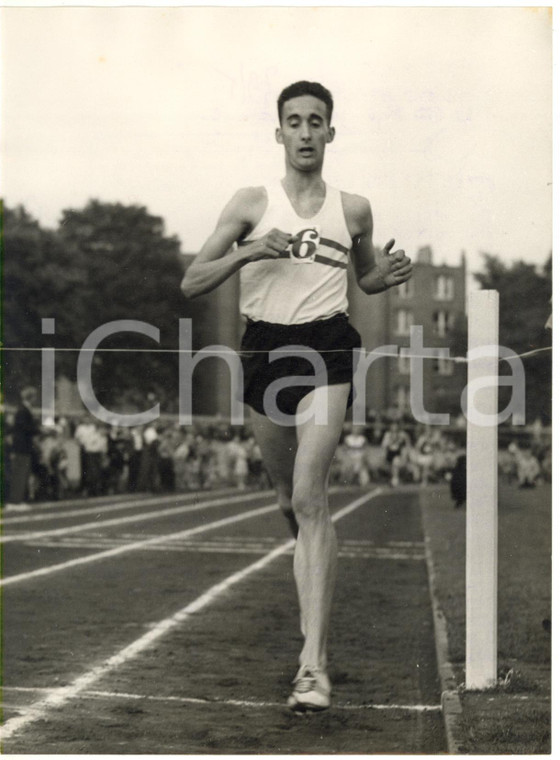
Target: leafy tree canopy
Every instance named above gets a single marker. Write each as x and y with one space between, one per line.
525 293
524 300
105 262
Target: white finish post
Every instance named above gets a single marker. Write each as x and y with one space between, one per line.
482 492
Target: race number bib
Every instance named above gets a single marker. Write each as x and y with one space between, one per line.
304 248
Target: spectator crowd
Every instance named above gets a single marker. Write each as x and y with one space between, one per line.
70 458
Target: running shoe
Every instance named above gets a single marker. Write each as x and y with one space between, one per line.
312 690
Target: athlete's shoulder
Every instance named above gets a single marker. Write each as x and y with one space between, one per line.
254 194
357 212
355 205
249 197
247 205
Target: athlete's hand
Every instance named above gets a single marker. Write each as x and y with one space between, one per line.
270 246
396 267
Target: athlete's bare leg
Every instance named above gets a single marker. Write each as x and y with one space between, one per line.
278 445
316 547
298 460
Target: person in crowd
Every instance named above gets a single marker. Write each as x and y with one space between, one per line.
135 458
93 445
24 431
238 462
425 450
203 460
528 469
117 459
148 476
396 445
51 464
355 444
71 469
165 461
458 481
257 472
181 455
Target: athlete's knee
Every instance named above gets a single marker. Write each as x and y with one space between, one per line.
309 502
291 518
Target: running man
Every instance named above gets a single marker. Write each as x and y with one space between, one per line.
291 244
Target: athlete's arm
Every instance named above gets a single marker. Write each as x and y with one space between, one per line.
375 271
211 266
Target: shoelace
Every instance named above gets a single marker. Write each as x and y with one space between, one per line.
306 682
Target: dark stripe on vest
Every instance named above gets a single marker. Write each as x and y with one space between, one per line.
318 258
322 241
334 244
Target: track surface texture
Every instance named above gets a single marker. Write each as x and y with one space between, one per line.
169 626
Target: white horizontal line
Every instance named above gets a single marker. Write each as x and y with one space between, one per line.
217 548
229 702
406 544
381 556
114 506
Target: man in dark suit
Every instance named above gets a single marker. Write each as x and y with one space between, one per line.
23 432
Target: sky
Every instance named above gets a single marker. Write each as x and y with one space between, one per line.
443 115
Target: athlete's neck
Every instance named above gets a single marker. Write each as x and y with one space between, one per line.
304 185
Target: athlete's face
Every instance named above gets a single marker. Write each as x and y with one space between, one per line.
304 132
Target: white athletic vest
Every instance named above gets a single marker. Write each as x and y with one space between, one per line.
309 281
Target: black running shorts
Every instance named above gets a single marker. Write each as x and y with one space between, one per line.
334 339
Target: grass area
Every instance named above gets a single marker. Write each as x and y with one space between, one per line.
513 717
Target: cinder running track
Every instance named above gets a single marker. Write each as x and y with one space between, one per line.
147 625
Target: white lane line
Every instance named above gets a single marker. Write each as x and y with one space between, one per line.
11 579
133 518
82 683
116 506
382 555
251 703
114 499
219 547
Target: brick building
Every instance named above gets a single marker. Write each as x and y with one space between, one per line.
433 298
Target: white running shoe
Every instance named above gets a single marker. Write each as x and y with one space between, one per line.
312 690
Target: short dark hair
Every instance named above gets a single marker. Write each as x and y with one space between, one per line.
306 88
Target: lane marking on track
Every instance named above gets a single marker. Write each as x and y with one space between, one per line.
63 695
252 703
11 579
234 546
134 518
397 544
116 506
114 498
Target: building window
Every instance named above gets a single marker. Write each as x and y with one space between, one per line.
445 288
404 364
444 365
404 322
405 289
443 322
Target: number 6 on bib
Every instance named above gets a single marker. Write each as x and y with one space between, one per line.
304 248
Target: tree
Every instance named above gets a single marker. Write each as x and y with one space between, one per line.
525 296
39 280
132 271
105 262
